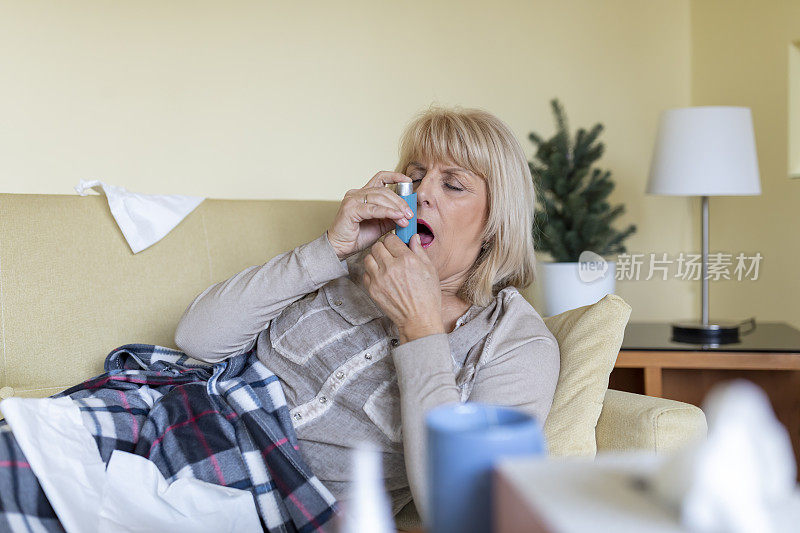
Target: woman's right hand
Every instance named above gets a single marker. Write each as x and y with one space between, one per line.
358 225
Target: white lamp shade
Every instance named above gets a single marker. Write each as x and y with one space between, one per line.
705 151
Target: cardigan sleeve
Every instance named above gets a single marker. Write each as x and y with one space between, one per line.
426 379
524 377
226 318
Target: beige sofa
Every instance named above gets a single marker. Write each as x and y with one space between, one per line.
71 291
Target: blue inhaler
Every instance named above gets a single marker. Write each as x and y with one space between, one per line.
405 190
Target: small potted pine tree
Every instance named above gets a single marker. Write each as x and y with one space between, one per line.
573 219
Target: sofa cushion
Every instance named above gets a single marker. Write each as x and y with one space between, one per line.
589 338
71 290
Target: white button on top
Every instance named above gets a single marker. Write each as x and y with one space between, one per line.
340 374
368 355
297 416
322 399
337 302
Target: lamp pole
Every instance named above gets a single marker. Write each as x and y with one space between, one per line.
703 331
704 296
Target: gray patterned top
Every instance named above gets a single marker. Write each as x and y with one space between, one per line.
344 373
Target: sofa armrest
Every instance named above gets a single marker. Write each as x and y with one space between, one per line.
633 421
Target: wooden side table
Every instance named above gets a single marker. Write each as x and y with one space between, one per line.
649 362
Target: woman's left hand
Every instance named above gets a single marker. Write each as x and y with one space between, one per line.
405 285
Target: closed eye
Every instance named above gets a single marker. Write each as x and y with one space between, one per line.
446 185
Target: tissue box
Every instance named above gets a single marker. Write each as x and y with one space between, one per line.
568 495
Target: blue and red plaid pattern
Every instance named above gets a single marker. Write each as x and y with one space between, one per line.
225 423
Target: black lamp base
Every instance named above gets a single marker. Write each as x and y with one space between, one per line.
715 332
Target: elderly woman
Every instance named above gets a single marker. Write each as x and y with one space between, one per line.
367 335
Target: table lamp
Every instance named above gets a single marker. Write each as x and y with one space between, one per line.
705 151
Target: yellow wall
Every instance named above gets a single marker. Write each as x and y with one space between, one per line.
255 99
740 56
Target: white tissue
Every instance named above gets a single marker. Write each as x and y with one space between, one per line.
130 495
143 218
735 479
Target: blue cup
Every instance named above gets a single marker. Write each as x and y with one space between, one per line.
464 441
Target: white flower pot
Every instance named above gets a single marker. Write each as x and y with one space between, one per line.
565 286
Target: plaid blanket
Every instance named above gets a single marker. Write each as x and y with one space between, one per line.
226 423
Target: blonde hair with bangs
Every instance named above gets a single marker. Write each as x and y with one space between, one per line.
480 142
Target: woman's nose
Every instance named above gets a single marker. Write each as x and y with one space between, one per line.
423 190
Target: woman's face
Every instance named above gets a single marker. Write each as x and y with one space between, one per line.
453 202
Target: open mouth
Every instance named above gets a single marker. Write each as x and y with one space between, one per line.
426 235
